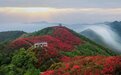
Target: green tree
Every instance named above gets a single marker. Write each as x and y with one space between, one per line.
22 63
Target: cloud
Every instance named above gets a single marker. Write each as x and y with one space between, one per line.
62 3
65 15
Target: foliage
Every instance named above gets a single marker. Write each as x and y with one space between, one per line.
88 65
88 49
22 62
10 35
68 53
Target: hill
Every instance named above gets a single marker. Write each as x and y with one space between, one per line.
63 38
116 26
92 35
66 52
10 35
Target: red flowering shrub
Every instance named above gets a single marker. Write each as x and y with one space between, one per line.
76 67
67 66
65 59
48 72
90 65
111 65
52 42
65 36
19 43
60 40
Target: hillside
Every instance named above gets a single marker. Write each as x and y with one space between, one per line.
63 38
64 46
10 35
86 65
92 35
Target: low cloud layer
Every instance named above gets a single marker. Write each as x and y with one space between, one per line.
65 15
66 11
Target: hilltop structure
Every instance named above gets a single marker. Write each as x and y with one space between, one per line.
40 44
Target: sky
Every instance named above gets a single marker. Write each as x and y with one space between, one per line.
21 14
64 11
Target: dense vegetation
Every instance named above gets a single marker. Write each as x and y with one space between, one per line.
64 47
20 63
88 49
10 35
86 65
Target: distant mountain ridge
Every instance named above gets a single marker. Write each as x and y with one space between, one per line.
116 26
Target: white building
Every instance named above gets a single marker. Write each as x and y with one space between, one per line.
40 44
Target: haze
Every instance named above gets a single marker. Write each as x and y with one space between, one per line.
65 11
26 15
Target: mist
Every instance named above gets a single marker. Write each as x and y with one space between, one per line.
27 27
109 37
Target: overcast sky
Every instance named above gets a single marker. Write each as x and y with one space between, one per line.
63 3
66 11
